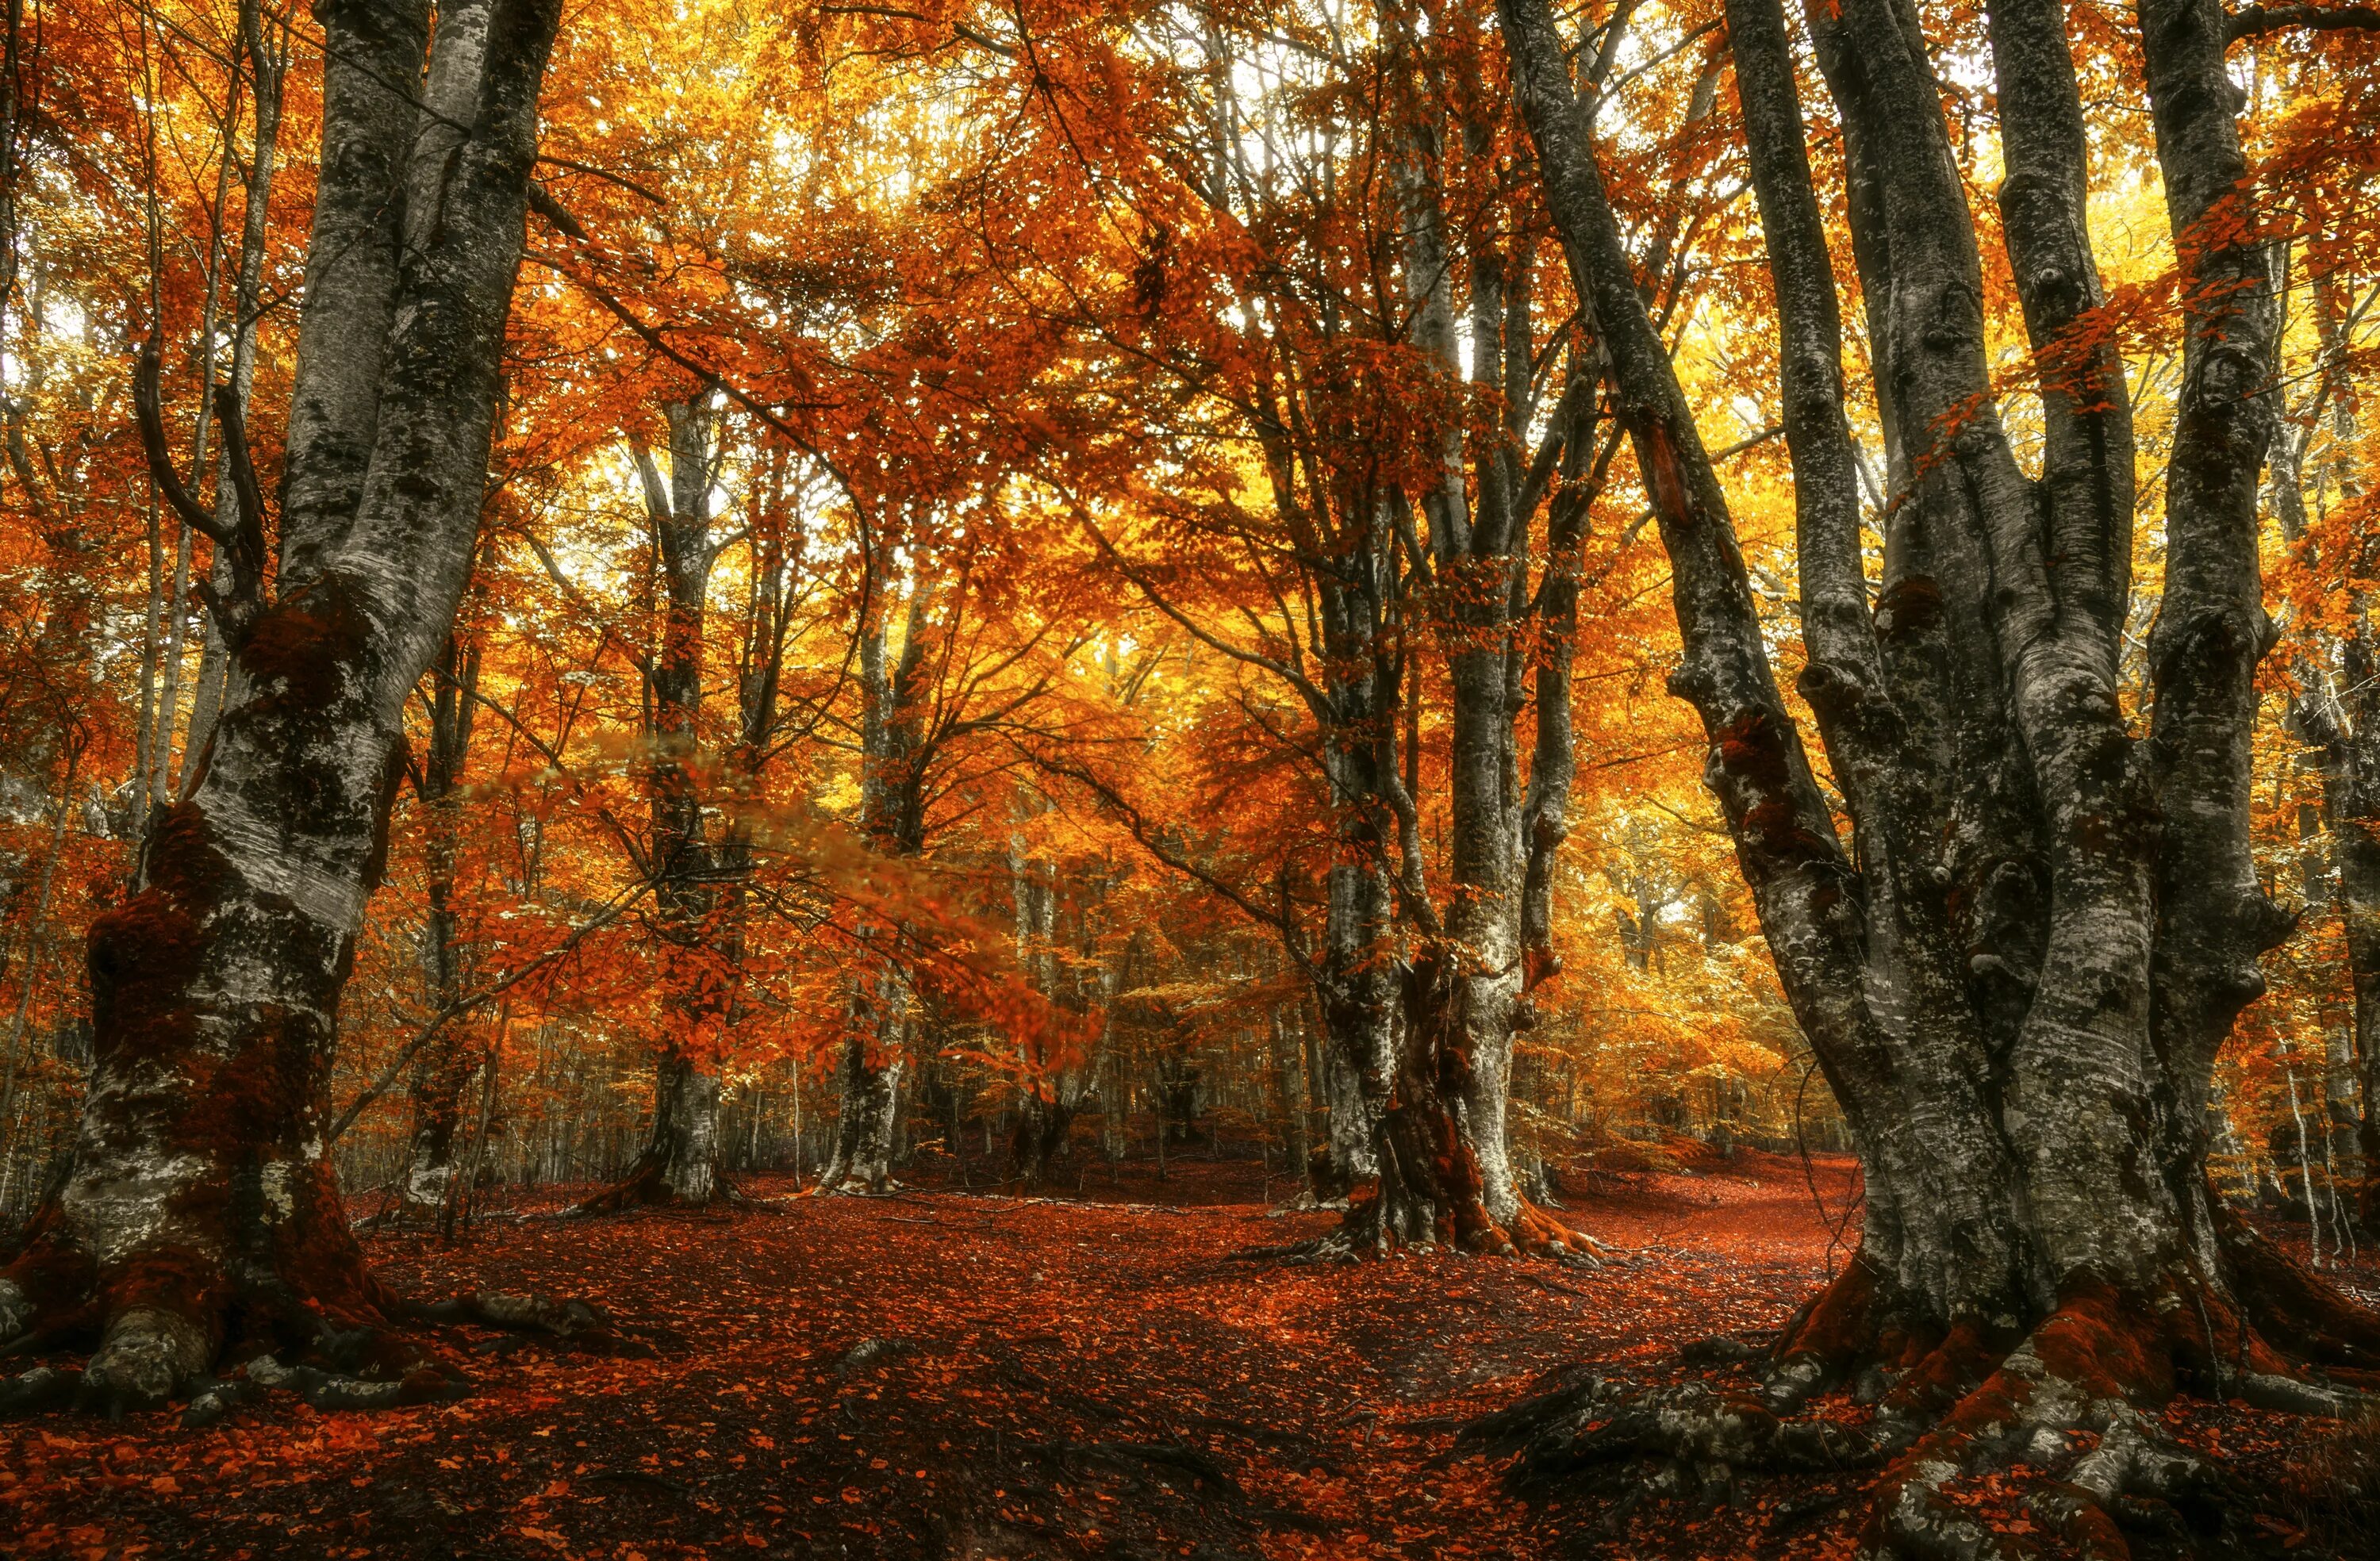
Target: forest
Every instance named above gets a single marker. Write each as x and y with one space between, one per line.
1016 778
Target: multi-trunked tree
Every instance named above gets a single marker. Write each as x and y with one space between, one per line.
2017 974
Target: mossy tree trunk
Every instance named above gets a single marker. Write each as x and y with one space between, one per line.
2016 982
202 1208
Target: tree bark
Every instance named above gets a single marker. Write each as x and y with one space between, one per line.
679 1165
1357 990
2016 982
893 816
426 1181
203 1206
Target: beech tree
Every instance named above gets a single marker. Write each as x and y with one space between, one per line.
425 1187
892 757
680 1164
2334 708
1404 492
202 1208
944 709
2017 979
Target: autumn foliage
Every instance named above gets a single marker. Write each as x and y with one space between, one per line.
969 679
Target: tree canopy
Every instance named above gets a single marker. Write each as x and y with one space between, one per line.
637 601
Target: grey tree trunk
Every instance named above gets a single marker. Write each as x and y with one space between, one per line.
2337 716
700 969
2342 724
1359 988
1446 1171
2017 981
869 1088
893 816
202 1204
426 1182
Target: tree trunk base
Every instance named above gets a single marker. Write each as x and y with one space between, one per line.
649 1184
1042 1130
294 1278
1376 1225
325 1329
419 1200
855 1184
2065 1415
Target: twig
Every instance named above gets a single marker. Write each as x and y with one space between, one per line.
466 1003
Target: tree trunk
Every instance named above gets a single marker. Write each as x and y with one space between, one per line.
2336 715
1357 995
1045 1106
203 1206
1336 1088
1180 1090
425 1182
1044 1122
1287 1056
2347 731
1446 1171
870 1091
700 955
2017 983
680 1163
893 816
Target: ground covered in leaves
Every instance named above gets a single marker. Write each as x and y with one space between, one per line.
948 1373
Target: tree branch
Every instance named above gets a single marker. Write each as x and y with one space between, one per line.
151 418
2255 21
465 1004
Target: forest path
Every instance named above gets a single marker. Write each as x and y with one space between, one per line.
950 1374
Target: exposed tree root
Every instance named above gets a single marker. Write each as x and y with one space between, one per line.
1416 1225
648 1185
576 1322
2068 1408
2284 1298
855 1185
1690 1438
367 1366
1535 1233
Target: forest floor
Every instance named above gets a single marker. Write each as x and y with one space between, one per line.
947 1374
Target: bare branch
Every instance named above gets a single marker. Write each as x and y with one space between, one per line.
469 1001
2255 21
152 444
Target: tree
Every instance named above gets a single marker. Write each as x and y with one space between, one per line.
425 1186
203 1206
2017 981
2335 709
1293 296
942 713
894 754
680 1163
